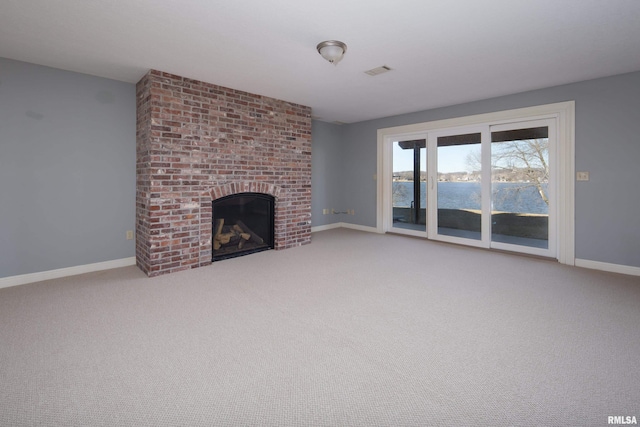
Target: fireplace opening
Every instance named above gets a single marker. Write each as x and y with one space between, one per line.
242 224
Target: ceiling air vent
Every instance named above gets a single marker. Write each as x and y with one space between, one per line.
378 70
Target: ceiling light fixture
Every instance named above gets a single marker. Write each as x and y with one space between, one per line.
332 50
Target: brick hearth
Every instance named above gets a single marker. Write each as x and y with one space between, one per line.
197 142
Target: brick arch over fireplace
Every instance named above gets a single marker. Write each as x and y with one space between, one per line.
197 142
231 188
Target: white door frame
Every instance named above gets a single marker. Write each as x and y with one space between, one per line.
563 112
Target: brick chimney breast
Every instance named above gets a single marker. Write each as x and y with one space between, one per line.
197 142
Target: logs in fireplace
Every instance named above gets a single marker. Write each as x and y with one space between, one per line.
242 224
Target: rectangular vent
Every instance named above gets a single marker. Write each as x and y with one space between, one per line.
378 70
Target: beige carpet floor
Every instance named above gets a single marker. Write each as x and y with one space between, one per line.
355 329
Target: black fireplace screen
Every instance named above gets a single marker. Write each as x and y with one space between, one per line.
242 224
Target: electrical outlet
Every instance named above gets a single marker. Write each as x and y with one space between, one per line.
129 234
325 211
333 211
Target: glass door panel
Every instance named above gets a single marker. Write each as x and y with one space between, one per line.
484 185
520 184
408 187
459 185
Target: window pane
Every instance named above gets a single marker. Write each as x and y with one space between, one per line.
519 187
409 190
459 185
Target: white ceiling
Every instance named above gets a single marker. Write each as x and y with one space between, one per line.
442 52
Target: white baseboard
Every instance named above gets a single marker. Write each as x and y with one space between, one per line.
359 227
344 225
23 279
326 227
605 266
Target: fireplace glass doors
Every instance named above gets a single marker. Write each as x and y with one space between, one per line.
242 224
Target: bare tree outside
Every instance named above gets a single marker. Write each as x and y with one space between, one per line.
525 162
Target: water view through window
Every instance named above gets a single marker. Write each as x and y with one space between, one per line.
409 191
459 206
519 186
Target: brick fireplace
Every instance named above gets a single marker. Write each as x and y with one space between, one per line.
197 142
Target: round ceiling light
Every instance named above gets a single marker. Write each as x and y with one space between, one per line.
332 50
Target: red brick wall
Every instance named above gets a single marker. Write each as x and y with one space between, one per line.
197 142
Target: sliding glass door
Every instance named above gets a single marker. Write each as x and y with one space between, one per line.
523 201
501 180
457 196
495 186
487 185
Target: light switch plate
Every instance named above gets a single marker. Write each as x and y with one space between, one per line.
582 176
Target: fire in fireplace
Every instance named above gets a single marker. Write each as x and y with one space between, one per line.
242 224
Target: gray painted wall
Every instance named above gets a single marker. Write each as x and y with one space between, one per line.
67 168
607 145
326 172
